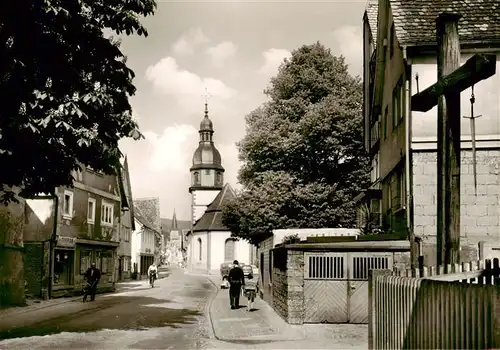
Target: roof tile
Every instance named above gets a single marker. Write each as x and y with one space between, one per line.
415 20
149 209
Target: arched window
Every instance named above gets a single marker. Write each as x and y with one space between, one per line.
200 249
229 249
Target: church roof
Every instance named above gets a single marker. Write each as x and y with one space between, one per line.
206 156
211 220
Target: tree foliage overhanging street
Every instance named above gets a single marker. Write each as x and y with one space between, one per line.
65 87
303 153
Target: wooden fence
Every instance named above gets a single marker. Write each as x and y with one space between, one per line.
451 307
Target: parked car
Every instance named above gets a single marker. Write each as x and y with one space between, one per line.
163 271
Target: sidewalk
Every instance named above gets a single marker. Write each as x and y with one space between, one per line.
37 304
262 323
263 328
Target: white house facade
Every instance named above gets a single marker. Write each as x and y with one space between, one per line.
142 245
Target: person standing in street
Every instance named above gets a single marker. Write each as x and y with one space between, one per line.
92 276
236 279
152 273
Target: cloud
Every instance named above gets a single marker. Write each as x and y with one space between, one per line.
231 163
169 148
169 79
272 60
220 53
189 42
348 41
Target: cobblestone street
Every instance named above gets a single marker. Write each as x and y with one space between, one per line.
169 316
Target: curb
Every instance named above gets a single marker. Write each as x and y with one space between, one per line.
213 335
32 308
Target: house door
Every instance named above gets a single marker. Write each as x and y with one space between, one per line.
336 285
120 267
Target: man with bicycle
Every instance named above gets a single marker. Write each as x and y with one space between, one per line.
92 276
152 273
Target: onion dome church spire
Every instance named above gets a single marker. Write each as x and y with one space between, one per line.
206 171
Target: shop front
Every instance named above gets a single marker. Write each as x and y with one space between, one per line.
63 266
147 259
103 254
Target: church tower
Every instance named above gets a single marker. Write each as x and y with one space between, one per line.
207 173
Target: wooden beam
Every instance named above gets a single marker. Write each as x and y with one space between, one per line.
477 68
448 150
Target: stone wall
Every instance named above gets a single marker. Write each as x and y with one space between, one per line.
280 292
295 275
11 254
264 258
480 213
288 286
34 267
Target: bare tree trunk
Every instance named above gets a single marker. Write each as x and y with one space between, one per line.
12 255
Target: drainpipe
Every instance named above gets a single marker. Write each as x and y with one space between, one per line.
408 163
52 243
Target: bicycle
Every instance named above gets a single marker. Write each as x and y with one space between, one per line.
152 279
86 290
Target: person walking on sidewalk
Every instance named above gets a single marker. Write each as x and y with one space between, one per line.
236 279
93 275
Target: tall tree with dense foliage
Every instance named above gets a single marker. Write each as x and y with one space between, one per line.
303 154
65 89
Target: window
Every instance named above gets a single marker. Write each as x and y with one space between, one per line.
126 264
207 172
91 211
397 104
63 266
393 40
107 213
84 261
219 177
375 168
68 205
397 191
127 234
200 249
196 178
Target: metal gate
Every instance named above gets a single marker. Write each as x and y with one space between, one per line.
336 285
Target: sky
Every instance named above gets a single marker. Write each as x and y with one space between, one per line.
231 49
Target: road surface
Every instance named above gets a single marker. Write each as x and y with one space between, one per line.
168 316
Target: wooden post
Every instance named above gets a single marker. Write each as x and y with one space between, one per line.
448 148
